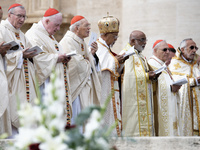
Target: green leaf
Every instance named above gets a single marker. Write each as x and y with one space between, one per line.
85 114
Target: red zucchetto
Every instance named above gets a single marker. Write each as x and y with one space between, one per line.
14 5
156 42
76 18
170 46
50 12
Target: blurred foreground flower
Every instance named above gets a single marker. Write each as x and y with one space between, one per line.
43 126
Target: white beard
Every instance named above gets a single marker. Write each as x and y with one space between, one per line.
140 49
111 45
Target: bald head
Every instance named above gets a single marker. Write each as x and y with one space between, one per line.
138 40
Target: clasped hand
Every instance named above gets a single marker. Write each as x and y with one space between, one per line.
63 58
27 54
153 75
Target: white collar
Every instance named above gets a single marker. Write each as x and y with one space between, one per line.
41 24
12 25
189 61
104 42
156 58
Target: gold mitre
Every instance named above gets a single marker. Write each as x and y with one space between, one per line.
108 24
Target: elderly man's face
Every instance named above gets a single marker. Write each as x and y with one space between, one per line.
111 38
83 29
189 50
17 18
162 51
140 42
54 25
1 14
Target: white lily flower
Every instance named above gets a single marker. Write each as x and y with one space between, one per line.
80 148
41 134
64 136
60 92
57 123
103 143
24 138
44 123
93 124
56 108
48 98
29 115
53 143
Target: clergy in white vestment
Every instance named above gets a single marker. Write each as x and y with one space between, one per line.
167 103
111 65
185 65
5 120
19 65
53 58
137 104
84 69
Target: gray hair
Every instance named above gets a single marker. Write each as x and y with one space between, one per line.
53 17
12 10
73 26
183 43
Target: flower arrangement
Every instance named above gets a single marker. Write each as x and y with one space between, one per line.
43 126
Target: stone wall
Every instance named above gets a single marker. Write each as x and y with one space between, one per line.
172 20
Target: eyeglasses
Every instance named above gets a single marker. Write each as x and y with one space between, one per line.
20 16
165 49
192 47
142 39
172 50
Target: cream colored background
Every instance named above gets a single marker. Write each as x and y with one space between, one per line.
172 20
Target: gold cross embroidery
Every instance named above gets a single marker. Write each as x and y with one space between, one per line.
137 64
142 96
144 132
143 118
177 66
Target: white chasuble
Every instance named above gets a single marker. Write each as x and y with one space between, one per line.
137 110
168 102
46 62
5 120
109 67
20 72
189 94
85 81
